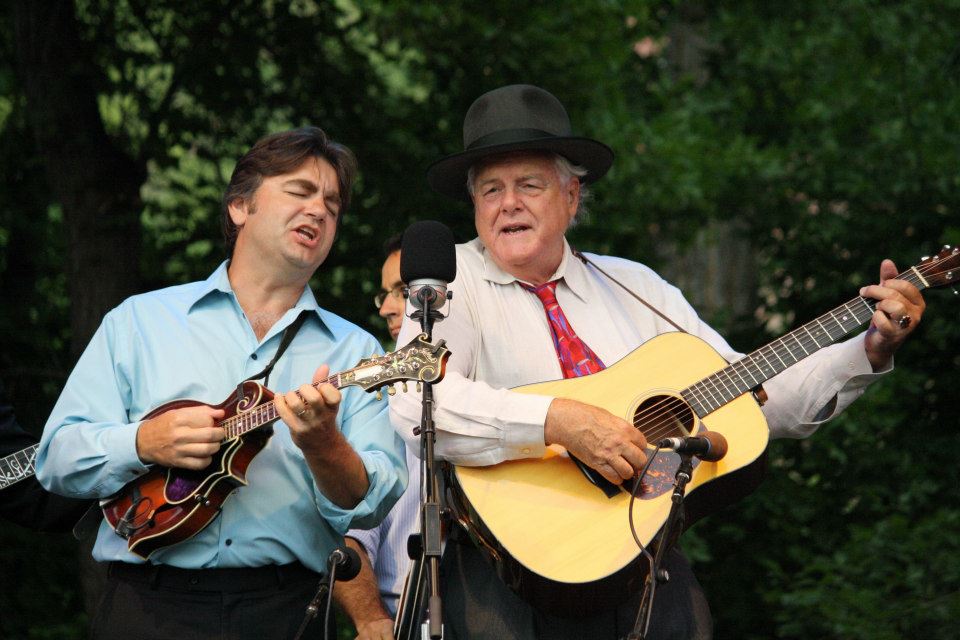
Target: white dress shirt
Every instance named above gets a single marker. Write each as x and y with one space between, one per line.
499 338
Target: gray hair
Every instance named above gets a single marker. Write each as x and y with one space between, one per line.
566 171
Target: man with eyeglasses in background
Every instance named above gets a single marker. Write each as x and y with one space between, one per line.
371 598
390 301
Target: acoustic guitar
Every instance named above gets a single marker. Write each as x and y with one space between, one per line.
18 466
566 547
169 505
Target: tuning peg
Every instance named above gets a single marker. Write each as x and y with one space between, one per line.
404 384
379 395
392 390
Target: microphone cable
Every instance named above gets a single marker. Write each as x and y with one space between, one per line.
651 584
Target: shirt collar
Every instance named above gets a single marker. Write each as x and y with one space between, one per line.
571 271
219 281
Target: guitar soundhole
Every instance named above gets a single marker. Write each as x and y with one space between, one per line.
663 416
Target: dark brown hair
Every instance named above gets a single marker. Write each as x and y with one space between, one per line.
280 153
392 244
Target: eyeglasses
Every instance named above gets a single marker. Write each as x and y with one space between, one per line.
396 293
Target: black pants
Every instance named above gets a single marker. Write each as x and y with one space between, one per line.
478 606
156 602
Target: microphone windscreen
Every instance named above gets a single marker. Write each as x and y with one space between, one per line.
348 564
428 252
718 445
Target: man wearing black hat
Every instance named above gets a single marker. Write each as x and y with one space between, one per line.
526 309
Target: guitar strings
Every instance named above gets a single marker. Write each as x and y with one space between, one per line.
659 424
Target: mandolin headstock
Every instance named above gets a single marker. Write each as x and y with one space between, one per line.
418 361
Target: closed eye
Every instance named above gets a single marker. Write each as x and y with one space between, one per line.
333 206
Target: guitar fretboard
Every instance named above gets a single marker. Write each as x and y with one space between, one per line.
752 370
18 466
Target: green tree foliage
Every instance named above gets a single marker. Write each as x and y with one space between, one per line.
826 134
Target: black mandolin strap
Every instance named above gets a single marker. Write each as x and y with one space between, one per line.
288 335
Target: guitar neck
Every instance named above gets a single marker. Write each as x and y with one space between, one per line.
18 466
754 369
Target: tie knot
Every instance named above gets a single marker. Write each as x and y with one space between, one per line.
547 292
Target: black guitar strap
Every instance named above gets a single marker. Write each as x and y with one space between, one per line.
609 489
593 264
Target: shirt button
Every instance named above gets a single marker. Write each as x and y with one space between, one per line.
253 356
228 542
525 450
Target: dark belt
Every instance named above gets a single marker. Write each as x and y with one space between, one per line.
230 580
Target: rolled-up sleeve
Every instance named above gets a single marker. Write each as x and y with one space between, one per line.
365 423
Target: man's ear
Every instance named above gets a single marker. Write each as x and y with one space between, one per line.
573 196
238 210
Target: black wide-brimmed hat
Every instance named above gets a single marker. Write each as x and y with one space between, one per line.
518 117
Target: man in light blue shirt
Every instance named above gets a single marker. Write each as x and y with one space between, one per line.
332 463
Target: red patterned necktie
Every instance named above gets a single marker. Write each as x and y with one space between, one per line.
576 358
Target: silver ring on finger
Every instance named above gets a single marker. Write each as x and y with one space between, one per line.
904 321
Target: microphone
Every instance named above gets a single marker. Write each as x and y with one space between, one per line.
709 446
344 563
428 262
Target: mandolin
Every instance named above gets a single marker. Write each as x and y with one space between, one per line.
168 505
562 543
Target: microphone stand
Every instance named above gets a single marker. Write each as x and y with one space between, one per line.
319 601
674 522
430 512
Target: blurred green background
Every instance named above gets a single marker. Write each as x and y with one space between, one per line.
769 154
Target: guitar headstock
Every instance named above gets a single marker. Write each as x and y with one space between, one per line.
942 269
418 361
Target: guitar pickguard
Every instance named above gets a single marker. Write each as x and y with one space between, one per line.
662 415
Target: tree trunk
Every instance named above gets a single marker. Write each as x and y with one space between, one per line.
96 183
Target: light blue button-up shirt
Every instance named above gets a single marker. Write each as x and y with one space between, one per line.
193 341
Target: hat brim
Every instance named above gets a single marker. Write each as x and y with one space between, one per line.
448 176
